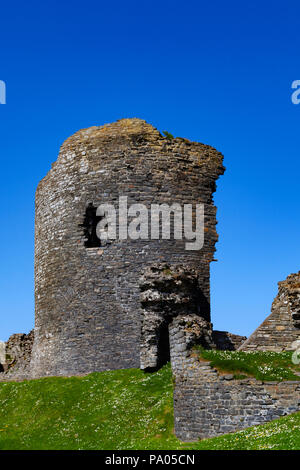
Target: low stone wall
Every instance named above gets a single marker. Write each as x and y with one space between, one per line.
227 341
207 404
17 354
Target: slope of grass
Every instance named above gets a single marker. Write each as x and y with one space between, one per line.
109 410
124 409
264 366
282 434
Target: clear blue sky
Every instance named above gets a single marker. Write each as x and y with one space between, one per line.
215 72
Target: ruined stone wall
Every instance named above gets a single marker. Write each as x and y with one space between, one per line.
207 404
169 296
282 327
16 356
226 341
88 305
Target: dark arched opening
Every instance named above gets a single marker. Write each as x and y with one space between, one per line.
163 348
89 225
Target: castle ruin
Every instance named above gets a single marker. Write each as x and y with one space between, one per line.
92 308
123 302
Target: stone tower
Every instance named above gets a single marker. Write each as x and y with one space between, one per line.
107 305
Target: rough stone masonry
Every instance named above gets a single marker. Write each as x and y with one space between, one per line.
209 404
89 312
281 329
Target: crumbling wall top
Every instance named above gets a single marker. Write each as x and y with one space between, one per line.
291 283
102 145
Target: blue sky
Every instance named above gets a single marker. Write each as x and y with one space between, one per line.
215 72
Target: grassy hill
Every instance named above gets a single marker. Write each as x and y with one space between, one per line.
124 409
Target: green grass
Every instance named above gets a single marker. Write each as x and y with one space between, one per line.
124 409
168 135
264 366
282 434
